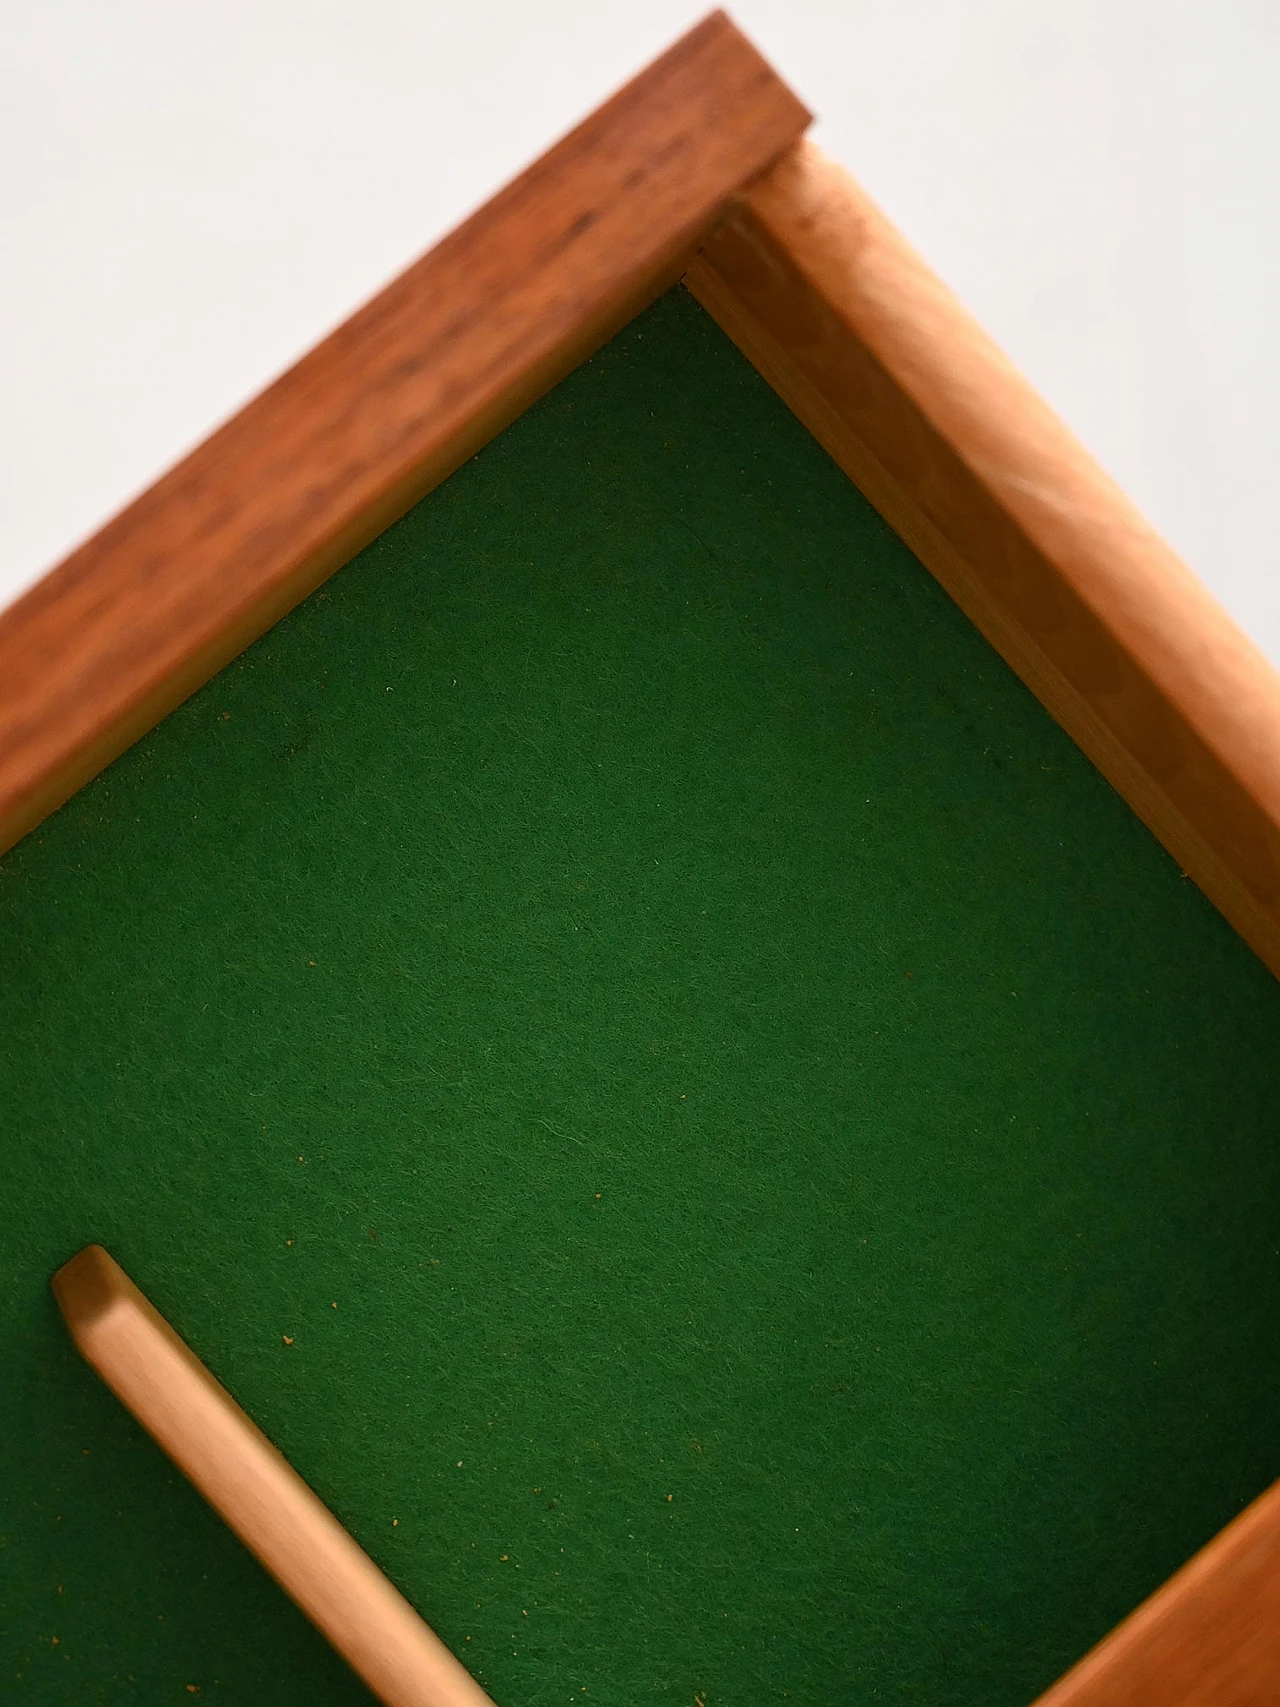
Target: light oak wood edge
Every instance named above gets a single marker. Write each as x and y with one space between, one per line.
255 1490
378 413
1107 627
1210 1637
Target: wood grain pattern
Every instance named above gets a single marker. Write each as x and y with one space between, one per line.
255 1490
392 402
1122 645
1095 613
1209 1638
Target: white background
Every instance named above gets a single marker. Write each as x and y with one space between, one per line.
190 193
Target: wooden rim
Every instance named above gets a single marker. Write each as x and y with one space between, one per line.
255 1490
377 414
1078 593
1119 641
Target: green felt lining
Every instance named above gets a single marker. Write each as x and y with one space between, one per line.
795 1163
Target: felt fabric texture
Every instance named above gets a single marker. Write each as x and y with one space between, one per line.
770 1174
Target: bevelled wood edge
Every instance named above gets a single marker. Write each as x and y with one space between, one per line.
388 405
255 1490
1210 1637
1041 550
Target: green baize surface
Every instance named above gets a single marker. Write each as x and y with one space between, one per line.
664 1082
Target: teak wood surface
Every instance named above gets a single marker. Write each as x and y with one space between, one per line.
699 161
1209 1638
255 1490
1041 550
381 411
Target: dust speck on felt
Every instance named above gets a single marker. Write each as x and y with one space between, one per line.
287 1339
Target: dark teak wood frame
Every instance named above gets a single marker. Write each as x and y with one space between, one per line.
698 168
